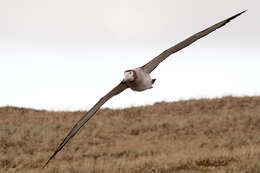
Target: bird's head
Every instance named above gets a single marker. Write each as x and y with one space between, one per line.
129 76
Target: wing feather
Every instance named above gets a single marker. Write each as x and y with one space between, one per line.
151 65
118 89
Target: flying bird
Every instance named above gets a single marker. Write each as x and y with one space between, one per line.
138 79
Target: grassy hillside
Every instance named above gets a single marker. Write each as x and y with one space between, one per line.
206 135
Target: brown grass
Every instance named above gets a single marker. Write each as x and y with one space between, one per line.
207 135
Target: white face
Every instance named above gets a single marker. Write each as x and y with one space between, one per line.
129 75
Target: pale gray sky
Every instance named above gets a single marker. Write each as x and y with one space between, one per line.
60 54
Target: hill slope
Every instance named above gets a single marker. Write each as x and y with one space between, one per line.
206 135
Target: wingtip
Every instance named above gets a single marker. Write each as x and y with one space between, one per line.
243 11
233 17
46 164
52 156
239 13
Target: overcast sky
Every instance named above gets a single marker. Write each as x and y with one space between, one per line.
65 55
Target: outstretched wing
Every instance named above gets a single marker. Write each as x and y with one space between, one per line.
151 65
118 89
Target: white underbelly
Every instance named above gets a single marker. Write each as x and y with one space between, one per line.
143 81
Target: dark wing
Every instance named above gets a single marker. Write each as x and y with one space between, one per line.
151 65
118 89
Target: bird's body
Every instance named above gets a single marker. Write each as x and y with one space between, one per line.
139 79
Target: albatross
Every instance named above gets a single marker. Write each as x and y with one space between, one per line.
138 79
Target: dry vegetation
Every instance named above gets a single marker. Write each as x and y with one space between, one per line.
206 135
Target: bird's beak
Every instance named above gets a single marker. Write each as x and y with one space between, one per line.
126 78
